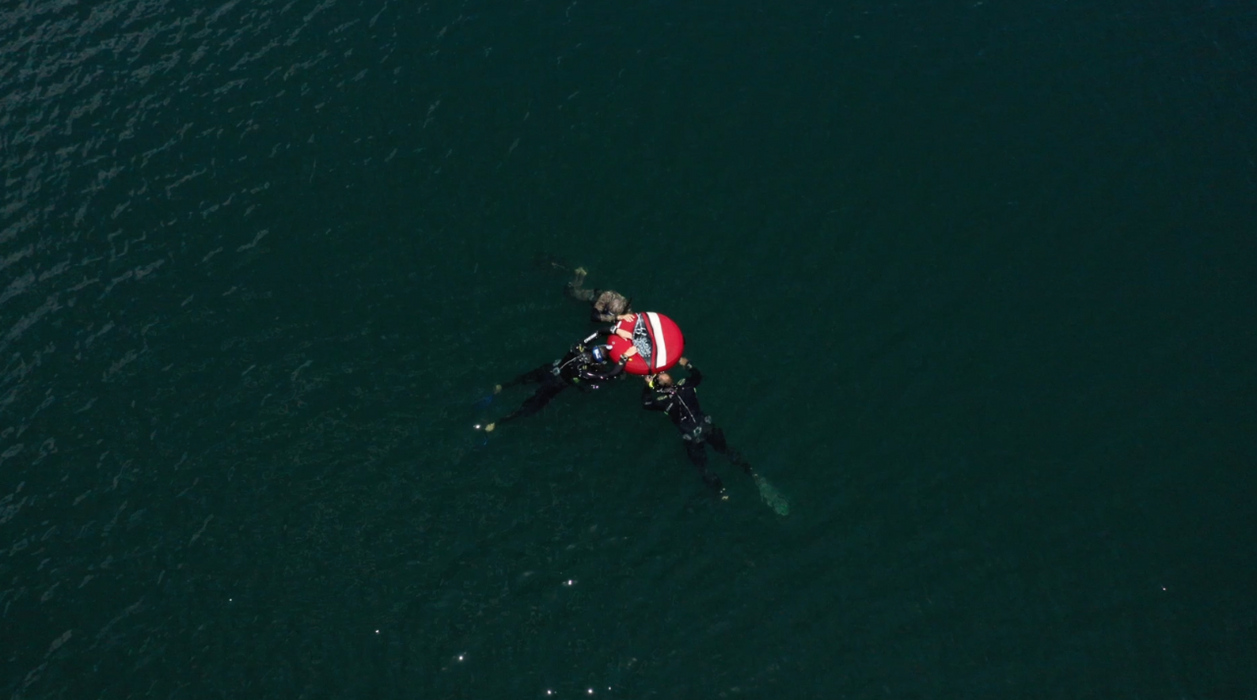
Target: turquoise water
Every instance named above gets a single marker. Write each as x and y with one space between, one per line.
971 285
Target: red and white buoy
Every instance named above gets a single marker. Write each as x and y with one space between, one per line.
654 335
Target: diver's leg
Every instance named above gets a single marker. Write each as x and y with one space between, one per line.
542 396
580 294
533 376
576 288
698 455
719 444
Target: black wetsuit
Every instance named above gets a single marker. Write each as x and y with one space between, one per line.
577 368
680 402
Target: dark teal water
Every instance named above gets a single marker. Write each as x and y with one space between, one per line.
972 284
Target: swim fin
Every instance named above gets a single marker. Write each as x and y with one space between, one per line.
772 496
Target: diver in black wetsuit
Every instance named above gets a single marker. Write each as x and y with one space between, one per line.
585 366
680 401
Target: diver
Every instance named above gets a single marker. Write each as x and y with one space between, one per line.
605 304
585 366
679 399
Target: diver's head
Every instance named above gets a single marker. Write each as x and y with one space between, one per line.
663 380
601 353
610 302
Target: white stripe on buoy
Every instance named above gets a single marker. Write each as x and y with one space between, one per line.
661 346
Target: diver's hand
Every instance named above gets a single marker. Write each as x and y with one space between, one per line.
683 362
630 352
626 317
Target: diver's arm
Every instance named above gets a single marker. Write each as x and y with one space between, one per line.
585 295
695 377
600 316
614 371
617 368
651 401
